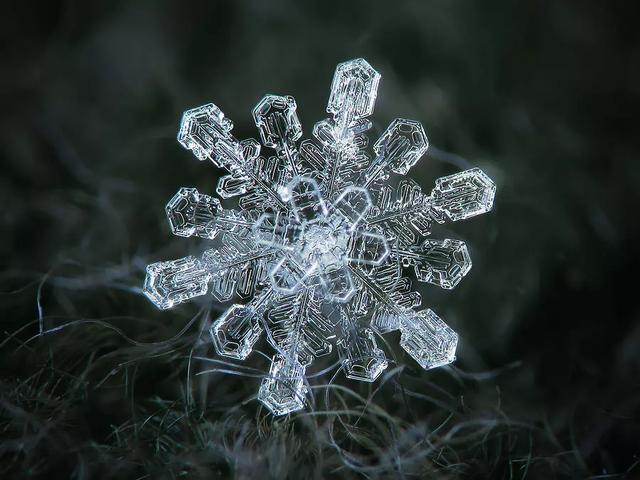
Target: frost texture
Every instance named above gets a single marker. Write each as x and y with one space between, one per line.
317 247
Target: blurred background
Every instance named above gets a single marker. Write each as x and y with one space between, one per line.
542 95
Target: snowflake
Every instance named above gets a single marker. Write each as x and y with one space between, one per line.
318 243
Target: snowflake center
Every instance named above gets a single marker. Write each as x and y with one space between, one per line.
324 244
319 239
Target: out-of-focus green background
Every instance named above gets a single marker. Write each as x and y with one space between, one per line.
542 95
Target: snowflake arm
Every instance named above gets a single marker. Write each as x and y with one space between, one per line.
207 133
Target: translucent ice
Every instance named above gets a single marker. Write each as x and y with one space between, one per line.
463 195
283 390
430 341
317 247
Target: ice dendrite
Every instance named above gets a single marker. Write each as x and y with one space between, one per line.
316 248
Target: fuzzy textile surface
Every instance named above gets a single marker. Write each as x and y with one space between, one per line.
96 383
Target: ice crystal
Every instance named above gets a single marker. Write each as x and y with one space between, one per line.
317 245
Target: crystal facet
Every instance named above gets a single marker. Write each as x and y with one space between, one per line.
401 145
441 262
175 281
430 341
192 213
277 121
361 357
353 91
283 391
317 247
236 331
201 129
463 195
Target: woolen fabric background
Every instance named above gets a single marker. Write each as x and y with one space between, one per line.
542 95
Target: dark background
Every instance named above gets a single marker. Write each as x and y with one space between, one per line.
542 95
